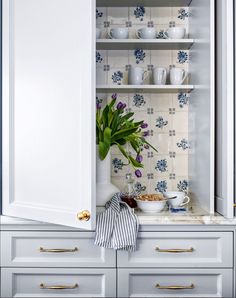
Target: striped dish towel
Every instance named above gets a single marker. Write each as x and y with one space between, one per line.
117 227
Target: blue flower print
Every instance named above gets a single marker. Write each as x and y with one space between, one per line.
183 14
139 12
182 57
183 185
139 55
183 99
117 164
183 144
161 165
161 186
139 187
138 100
98 57
117 77
160 122
161 34
98 14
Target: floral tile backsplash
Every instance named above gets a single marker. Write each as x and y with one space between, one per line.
166 114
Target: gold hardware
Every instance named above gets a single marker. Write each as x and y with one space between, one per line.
84 215
191 249
175 287
235 205
57 250
44 287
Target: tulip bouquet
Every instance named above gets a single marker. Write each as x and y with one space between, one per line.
115 128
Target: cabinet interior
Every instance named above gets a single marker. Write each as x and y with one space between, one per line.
180 118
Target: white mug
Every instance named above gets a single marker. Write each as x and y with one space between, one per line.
146 33
175 33
137 75
180 200
177 76
159 75
119 33
98 33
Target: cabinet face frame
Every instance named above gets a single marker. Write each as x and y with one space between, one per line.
53 184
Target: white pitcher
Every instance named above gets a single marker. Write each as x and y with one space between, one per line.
137 75
177 76
159 75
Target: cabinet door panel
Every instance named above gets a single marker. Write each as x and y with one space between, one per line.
48 110
58 282
175 283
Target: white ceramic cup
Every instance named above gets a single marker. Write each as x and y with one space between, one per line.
177 76
159 75
146 33
137 75
98 33
175 33
119 33
180 200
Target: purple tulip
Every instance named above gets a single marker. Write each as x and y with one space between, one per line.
138 173
114 96
119 106
144 125
124 106
145 133
139 158
98 106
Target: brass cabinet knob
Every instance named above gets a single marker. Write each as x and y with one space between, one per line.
84 215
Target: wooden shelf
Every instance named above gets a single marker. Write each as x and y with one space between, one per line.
146 3
144 88
151 44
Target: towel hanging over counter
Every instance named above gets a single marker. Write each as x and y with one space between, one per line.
117 226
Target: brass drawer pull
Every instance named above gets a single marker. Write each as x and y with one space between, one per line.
59 287
175 250
175 287
57 250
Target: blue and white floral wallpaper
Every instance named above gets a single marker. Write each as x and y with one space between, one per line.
166 114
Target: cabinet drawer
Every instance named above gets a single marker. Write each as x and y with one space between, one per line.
54 249
175 283
40 282
180 249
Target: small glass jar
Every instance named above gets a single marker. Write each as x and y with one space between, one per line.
128 194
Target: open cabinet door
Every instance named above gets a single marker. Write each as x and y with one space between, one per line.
225 108
49 110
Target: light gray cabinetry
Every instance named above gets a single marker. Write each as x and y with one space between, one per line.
175 282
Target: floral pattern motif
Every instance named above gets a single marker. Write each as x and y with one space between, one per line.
117 164
139 55
117 77
161 34
183 99
161 165
161 186
139 187
138 100
98 14
183 185
182 57
98 57
139 12
160 122
183 144
183 14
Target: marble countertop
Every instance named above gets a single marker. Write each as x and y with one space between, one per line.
147 219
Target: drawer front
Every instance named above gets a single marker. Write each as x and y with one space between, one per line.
180 249
39 282
175 283
53 249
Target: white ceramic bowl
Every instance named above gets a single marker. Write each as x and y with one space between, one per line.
151 206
